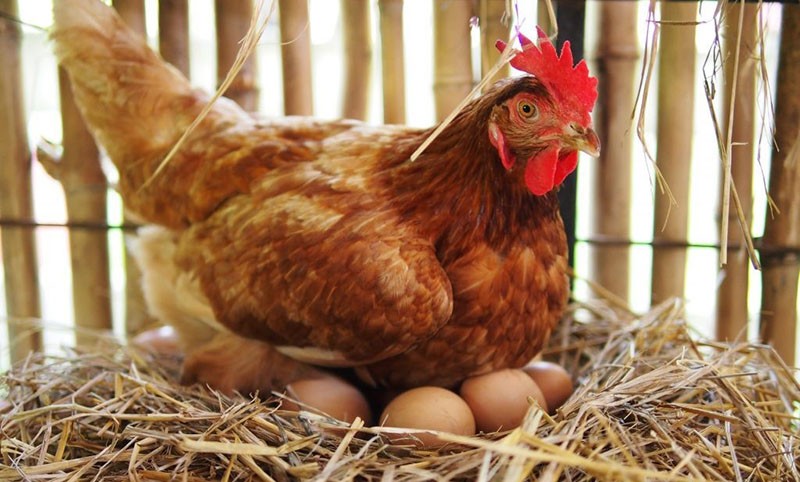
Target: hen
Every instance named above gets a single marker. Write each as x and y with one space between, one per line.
322 239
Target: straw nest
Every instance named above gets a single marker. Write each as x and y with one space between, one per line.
651 403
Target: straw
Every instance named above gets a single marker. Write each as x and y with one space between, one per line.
652 402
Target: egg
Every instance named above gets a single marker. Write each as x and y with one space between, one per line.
427 408
499 399
555 382
158 341
330 395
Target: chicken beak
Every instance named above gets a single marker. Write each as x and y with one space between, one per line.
584 139
590 143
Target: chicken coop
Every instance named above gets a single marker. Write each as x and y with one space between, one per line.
682 237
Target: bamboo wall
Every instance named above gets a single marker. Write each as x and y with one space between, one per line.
380 82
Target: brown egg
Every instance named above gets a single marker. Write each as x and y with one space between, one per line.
499 400
555 382
158 341
427 408
330 395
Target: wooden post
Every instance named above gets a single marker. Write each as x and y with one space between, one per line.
173 33
357 58
495 24
452 65
136 312
675 130
732 312
233 22
617 55
296 57
393 61
782 267
16 198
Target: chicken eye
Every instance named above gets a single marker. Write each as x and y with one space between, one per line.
526 109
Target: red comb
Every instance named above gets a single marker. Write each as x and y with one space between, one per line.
573 86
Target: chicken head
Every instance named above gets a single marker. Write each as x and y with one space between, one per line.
546 120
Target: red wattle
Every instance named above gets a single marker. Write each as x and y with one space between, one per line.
548 169
566 164
541 171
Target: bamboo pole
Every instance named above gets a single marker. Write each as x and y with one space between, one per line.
675 130
616 62
543 15
296 57
392 61
173 33
494 25
781 268
79 172
132 11
233 22
357 58
732 312
452 66
16 197
136 313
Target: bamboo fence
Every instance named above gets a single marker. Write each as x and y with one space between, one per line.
782 232
173 33
732 295
233 22
393 67
452 64
132 11
85 189
358 60
543 15
296 55
615 62
675 131
494 25
16 197
617 53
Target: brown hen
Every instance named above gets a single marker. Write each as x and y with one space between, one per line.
321 239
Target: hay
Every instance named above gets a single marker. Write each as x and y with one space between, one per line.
651 404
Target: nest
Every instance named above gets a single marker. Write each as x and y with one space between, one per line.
651 403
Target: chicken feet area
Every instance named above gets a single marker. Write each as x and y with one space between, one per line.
495 401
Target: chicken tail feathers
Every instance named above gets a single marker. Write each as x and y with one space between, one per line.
136 105
121 86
